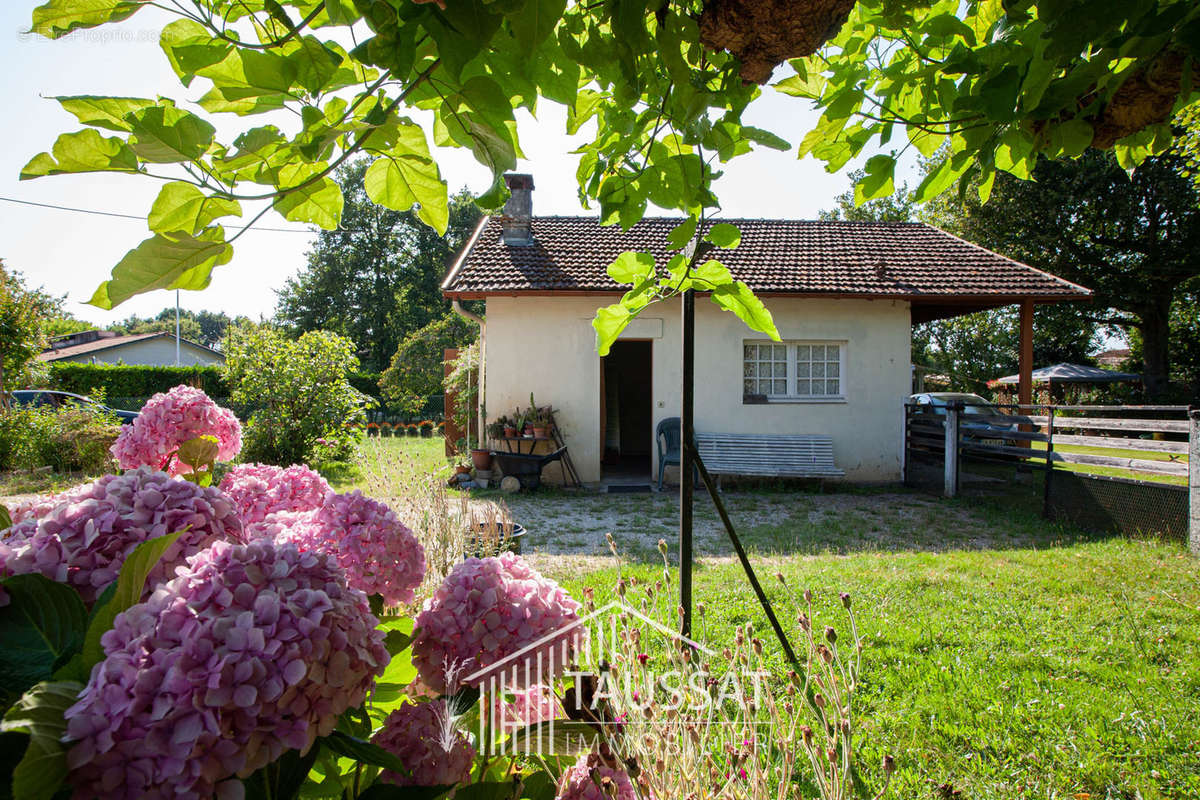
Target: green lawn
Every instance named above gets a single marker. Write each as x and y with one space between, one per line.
1056 673
1145 455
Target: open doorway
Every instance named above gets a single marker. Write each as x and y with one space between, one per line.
626 413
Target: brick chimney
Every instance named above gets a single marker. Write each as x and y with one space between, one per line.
517 216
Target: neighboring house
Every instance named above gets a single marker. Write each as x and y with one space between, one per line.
1058 377
844 296
106 347
1114 359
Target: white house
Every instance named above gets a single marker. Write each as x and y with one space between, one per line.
844 296
106 347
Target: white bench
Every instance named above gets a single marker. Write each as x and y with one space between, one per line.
776 456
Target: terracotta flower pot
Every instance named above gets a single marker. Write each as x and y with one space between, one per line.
510 432
462 469
481 458
540 432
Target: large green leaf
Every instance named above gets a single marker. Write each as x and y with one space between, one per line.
42 625
131 582
104 112
631 267
190 47
878 180
362 750
317 202
164 134
724 235
534 21
59 17
406 175
737 298
183 207
282 778
82 151
608 324
180 262
390 791
39 713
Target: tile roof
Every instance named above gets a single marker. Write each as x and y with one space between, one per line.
906 260
109 343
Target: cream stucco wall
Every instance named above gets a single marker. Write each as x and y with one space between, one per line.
152 352
546 345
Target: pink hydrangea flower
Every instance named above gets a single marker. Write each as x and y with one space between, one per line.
486 610
588 778
168 420
250 651
86 536
425 738
259 490
527 707
34 507
378 552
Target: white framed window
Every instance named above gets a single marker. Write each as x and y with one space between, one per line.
795 371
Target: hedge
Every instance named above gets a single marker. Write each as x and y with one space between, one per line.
133 381
126 380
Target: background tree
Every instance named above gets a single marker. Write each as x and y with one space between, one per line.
415 371
23 312
1132 237
376 278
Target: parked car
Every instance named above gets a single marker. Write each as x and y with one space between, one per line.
57 399
973 406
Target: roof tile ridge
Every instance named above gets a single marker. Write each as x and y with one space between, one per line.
1041 272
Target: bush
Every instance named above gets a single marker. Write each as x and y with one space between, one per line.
416 370
302 400
67 440
122 380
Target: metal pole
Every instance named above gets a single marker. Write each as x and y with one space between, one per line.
1194 481
177 327
686 475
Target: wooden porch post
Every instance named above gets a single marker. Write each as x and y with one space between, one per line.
1025 366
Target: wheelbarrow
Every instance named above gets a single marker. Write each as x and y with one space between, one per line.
527 467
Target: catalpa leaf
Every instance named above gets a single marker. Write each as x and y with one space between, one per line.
164 134
738 299
608 324
82 151
405 175
182 207
182 262
39 713
59 17
878 180
724 235
631 267
104 112
190 47
682 234
318 202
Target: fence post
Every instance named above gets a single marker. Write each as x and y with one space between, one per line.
950 449
1049 461
1194 481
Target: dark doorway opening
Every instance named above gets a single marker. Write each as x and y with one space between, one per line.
627 412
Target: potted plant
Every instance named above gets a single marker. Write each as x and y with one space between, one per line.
498 428
540 418
481 458
426 427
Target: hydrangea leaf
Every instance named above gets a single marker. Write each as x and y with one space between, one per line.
129 587
282 778
82 151
181 262
42 626
39 713
181 206
59 17
361 750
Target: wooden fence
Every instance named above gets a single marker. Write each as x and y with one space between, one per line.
1064 440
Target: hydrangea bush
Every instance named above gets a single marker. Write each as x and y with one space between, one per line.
168 421
486 610
427 740
259 490
590 778
83 536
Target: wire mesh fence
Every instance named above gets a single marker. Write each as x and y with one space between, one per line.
1108 469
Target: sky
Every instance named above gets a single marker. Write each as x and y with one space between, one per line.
70 253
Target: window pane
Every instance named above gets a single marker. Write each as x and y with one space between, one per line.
818 369
780 352
780 370
818 352
750 370
802 369
748 387
832 369
831 351
802 388
779 387
803 352
748 351
832 387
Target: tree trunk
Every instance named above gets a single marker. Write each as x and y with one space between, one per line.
1156 360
